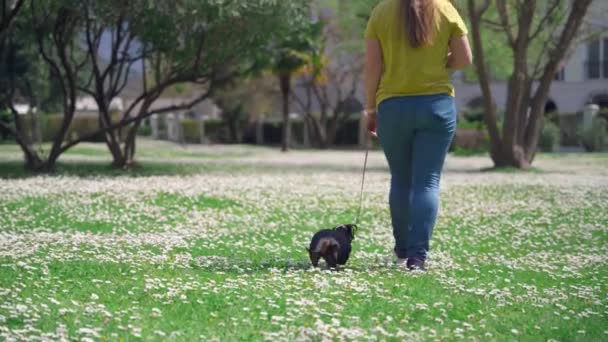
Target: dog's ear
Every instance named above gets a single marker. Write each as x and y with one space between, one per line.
351 228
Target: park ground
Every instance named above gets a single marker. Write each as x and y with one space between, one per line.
204 243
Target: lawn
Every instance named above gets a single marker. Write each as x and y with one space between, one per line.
208 243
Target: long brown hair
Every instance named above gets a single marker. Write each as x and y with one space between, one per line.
420 17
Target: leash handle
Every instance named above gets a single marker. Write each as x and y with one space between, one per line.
362 182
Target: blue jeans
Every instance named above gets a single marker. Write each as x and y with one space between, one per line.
415 133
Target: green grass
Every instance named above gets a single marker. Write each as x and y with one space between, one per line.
215 249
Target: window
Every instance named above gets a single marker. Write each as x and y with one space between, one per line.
561 75
605 61
593 59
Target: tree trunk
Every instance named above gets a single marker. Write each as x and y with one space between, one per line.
36 133
110 137
33 162
128 156
285 82
332 129
235 129
489 113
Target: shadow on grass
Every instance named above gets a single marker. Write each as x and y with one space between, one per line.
283 265
14 169
508 169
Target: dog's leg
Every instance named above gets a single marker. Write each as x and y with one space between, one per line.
314 258
332 261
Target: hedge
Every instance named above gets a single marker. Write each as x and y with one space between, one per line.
595 138
81 125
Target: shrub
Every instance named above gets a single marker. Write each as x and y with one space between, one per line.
468 141
144 131
81 125
473 114
464 124
595 138
549 137
215 131
568 126
191 131
5 118
50 125
348 134
272 131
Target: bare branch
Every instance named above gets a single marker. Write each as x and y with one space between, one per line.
553 7
484 8
505 21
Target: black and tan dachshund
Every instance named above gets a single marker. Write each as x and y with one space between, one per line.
332 245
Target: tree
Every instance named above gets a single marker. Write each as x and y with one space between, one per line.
287 62
55 25
18 63
229 39
10 10
202 43
331 78
244 100
556 25
286 58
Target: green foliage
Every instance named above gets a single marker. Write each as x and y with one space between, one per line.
81 126
470 139
466 124
474 115
144 131
215 130
6 119
286 54
22 67
549 137
191 130
595 138
49 126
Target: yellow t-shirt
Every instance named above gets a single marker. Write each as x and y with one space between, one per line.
409 71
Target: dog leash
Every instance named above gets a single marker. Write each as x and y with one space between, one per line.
362 182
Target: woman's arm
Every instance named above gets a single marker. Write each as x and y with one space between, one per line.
460 55
373 72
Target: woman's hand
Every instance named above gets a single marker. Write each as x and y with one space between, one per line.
371 117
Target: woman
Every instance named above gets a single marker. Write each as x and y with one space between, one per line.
411 47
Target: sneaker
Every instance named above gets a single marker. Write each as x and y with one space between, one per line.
415 264
401 262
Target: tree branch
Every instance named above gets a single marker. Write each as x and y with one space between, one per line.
548 16
9 19
505 21
574 22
